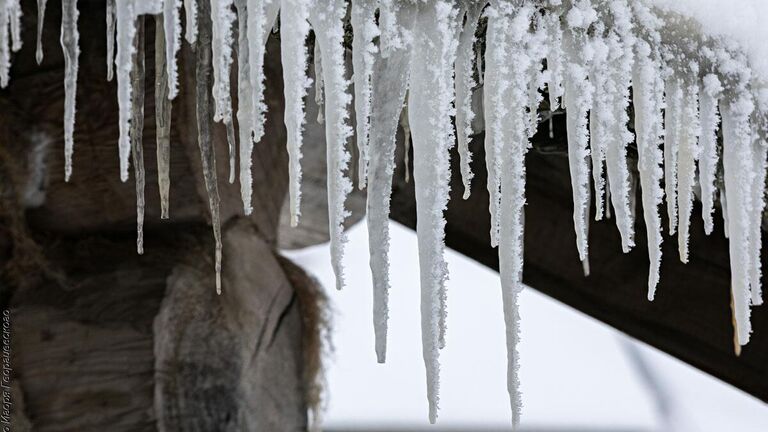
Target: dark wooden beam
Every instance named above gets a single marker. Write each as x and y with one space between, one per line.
691 316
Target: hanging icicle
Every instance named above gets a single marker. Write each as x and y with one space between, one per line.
688 154
69 45
137 127
578 98
709 121
294 58
261 17
172 33
223 19
162 115
111 24
40 22
465 83
430 106
648 98
389 84
672 118
363 20
190 22
204 110
328 23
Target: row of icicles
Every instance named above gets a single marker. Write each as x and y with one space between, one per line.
684 85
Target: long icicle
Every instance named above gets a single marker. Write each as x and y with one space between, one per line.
190 22
620 44
465 65
172 44
244 102
69 45
648 95
688 153
494 107
126 31
757 192
204 110
430 100
223 18
672 118
737 165
260 17
515 143
389 86
294 58
162 114
364 51
40 22
708 161
137 128
577 96
329 33
111 24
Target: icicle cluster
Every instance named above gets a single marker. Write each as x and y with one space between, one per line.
425 54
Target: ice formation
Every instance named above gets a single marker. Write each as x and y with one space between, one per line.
589 56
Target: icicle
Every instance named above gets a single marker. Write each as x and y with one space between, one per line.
10 22
137 128
495 108
577 96
223 19
620 47
514 137
757 199
111 21
672 119
430 101
599 117
364 28
126 31
204 124
319 99
328 23
261 16
648 97
389 83
40 22
738 171
554 60
465 61
69 45
5 53
296 82
536 50
14 11
406 142
709 120
686 161
190 9
172 31
162 115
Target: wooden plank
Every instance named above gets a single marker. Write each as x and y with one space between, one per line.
690 318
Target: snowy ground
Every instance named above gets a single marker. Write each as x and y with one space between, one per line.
576 373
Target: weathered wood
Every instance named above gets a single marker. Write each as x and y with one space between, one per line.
105 339
691 316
